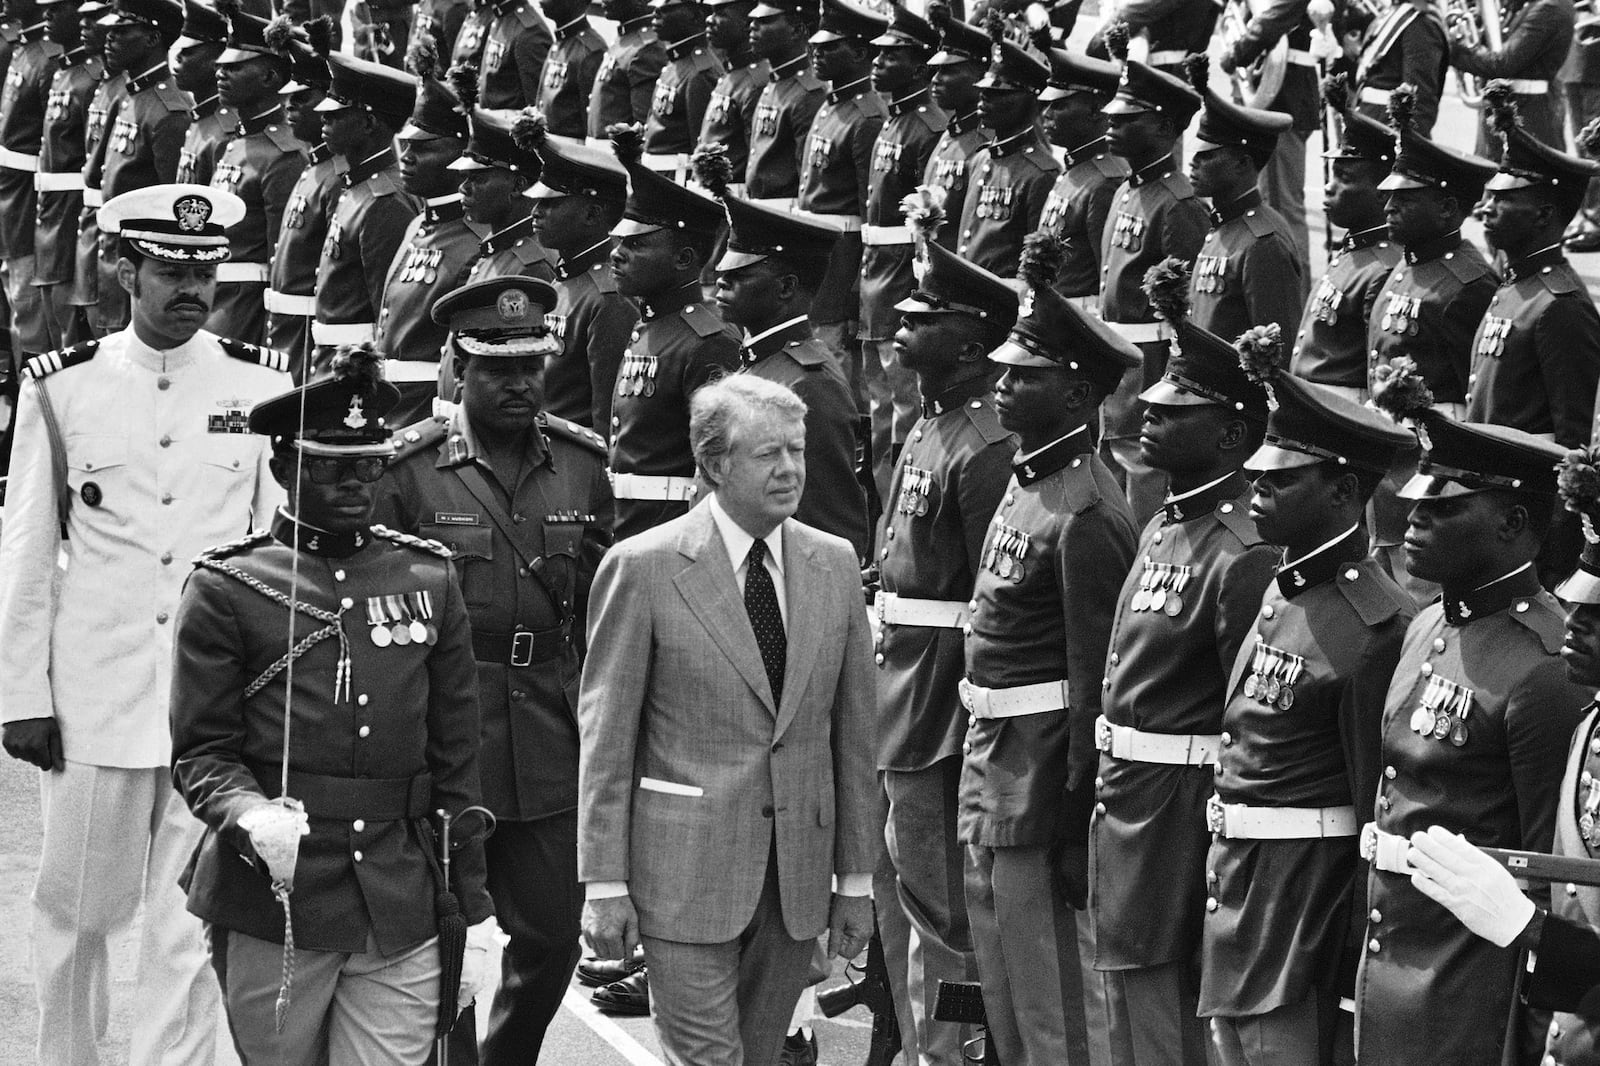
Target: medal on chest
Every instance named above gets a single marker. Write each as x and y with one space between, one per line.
662 101
471 39
331 248
996 201
915 484
1492 339
555 74
232 420
607 67
817 152
886 156
1589 808
493 54
1273 674
13 84
186 165
1055 209
228 176
422 265
401 619
123 134
295 214
1209 271
55 107
1325 302
948 172
1442 712
1161 589
767 119
719 108
1128 231
1401 315
638 374
1008 553
557 325
95 124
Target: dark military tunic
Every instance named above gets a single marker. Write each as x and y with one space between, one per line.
779 132
1536 355
368 226
103 107
732 112
944 493
1407 44
834 174
1330 347
1059 546
509 40
1077 209
1487 663
1248 271
24 97
569 73
680 99
261 165
1299 97
594 322
832 500
1172 29
678 345
210 130
299 249
1429 308
626 80
61 158
1536 37
1010 180
146 137
1167 672
950 168
411 712
899 159
513 250
517 576
1278 913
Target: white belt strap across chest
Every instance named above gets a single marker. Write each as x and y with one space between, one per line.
1240 821
1173 749
885 236
1014 702
897 610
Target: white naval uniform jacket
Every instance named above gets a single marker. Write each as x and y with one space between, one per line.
160 465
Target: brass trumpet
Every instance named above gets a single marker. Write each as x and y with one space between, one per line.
1473 23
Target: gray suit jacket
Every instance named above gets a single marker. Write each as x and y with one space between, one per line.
688 766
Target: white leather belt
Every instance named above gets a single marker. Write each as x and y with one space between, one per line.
1141 332
1529 87
411 370
1166 57
666 162
285 303
777 203
1174 749
242 272
1013 702
1299 57
848 223
899 610
18 160
1386 851
652 487
49 181
1374 96
1240 821
885 235
92 197
343 332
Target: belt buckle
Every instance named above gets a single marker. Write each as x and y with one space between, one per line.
881 605
1369 842
1215 817
522 648
1102 734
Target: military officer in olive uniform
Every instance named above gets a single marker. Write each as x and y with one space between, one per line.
520 497
570 68
961 60
1406 45
679 344
578 198
732 110
24 99
1248 272
1059 546
1155 215
788 103
765 280
495 172
1475 735
507 41
625 83
1330 347
1299 752
260 165
438 246
946 488
366 107
59 182
205 32
1080 202
1011 176
683 90
385 734
1182 617
899 159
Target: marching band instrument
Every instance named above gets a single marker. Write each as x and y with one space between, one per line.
1473 23
1258 84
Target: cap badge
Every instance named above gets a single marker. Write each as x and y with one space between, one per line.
1025 305
996 54
512 305
354 418
192 213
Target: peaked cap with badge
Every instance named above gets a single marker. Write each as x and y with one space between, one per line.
388 93
1012 69
950 285
1460 458
491 146
340 414
841 20
656 201
1360 137
1310 423
308 67
201 25
502 317
1144 88
1225 124
568 167
960 42
757 233
1202 368
174 223
438 111
247 37
1529 163
1075 72
907 30
166 16
1422 164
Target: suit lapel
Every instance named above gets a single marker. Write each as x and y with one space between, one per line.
707 585
803 596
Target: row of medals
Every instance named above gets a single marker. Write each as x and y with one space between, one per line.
1442 714
915 484
1402 314
1589 819
402 620
638 375
1326 302
1006 552
1128 231
1492 341
1161 588
1208 273
1273 675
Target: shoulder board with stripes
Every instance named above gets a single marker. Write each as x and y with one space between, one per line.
44 365
255 353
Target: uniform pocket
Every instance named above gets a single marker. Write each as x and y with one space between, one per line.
472 549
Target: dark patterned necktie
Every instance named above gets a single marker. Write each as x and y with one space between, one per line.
761 601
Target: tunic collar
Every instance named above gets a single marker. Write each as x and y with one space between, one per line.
1202 501
1365 238
154 76
1433 249
1517 587
1534 262
910 102
1152 172
568 30
1318 566
670 301
774 339
584 261
1001 147
442 209
1232 209
461 445
207 107
637 25
320 153
964 123
849 90
506 238
687 46
1084 153
305 537
376 163
956 396
790 68
272 116
1036 466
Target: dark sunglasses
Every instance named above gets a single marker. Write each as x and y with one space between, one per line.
327 470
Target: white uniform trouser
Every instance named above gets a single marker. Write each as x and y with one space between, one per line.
114 838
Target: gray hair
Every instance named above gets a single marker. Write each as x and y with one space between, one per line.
720 407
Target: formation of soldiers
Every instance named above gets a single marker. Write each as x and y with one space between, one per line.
1199 582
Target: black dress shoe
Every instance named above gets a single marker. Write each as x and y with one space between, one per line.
597 973
799 1050
629 996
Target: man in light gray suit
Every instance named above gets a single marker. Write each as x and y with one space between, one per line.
726 722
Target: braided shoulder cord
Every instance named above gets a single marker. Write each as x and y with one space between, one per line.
341 678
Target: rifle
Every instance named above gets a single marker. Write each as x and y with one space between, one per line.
871 991
962 1002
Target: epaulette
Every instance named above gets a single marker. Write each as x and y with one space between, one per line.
383 183
421 544
1542 618
704 60
701 320
283 138
1467 268
525 15
420 436
1041 158
1561 279
52 50
985 420
234 547
1259 224
871 105
246 352
531 251
812 355
1234 515
1375 602
1078 487
603 279
172 97
557 426
1110 166
809 81
1177 183
11 32
41 366
934 121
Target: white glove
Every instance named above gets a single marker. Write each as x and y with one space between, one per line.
1324 45
482 959
275 829
1470 885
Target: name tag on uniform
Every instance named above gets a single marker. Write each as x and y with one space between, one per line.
450 518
